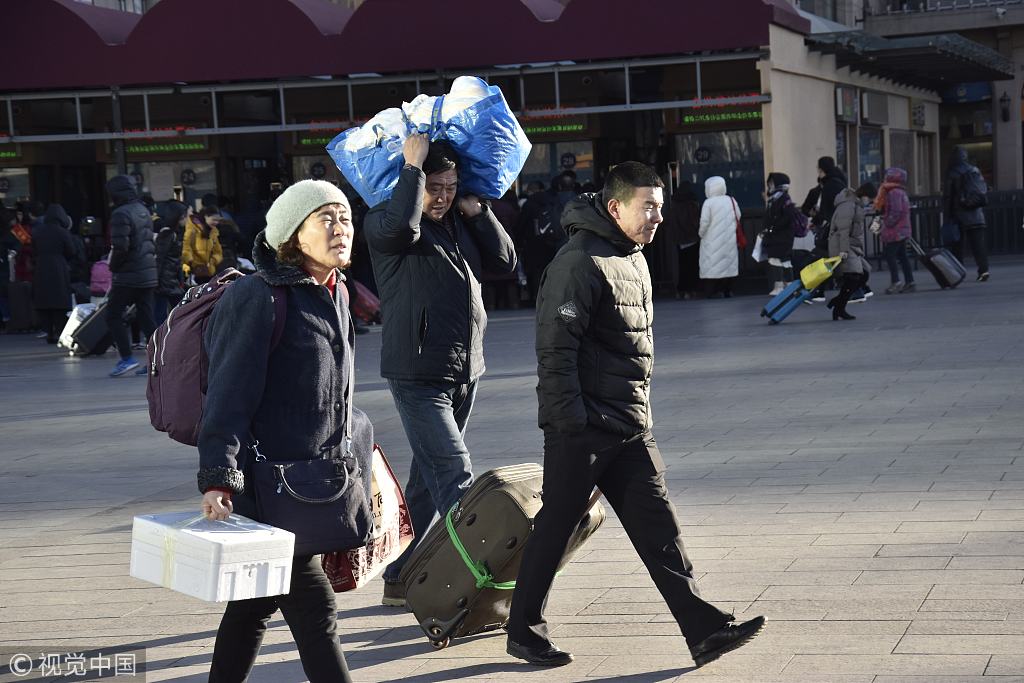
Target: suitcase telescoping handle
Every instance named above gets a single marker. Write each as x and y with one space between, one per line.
915 246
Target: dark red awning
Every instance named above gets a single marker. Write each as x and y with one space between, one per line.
205 41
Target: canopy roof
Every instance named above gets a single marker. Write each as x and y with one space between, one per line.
933 62
213 41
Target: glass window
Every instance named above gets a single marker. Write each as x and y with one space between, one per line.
196 177
736 155
925 182
870 155
14 186
549 159
901 154
842 150
316 167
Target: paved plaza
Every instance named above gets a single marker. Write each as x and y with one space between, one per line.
861 484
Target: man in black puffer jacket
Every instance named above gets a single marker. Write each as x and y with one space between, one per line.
133 265
428 256
595 353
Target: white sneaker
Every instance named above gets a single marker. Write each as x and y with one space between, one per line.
779 288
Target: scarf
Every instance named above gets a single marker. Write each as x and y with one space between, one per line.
882 191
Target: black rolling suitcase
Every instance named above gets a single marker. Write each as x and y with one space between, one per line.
90 338
23 314
491 524
946 268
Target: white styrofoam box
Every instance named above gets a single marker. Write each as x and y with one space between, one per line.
235 559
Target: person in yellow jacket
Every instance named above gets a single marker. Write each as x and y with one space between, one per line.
200 251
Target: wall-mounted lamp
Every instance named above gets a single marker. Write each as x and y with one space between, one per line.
1004 106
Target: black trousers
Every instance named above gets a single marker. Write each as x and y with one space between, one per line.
631 475
311 614
851 282
52 322
118 300
689 270
979 246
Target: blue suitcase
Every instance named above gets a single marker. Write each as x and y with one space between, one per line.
786 302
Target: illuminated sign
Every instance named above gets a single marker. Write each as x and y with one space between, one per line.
547 128
315 141
720 117
8 154
147 148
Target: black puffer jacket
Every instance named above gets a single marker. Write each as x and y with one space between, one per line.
965 218
170 281
779 218
291 398
133 253
595 345
429 285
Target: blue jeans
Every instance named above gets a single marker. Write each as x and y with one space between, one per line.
434 416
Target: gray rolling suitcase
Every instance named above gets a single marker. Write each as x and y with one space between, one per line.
944 267
491 522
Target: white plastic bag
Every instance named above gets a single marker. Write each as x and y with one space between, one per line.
757 254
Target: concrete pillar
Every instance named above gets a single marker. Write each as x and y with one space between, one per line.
1007 138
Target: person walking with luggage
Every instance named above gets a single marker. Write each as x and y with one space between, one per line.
846 240
133 270
594 360
52 250
428 259
892 206
831 181
719 253
965 196
777 236
291 398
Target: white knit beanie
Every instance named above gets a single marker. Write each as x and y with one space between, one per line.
295 204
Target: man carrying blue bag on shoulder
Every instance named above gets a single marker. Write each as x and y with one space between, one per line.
428 261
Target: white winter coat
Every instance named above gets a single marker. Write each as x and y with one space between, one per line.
719 256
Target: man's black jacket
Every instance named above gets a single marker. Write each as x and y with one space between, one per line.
429 285
595 344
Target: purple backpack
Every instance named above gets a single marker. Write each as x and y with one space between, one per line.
178 365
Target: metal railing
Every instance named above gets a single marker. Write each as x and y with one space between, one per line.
1004 217
907 6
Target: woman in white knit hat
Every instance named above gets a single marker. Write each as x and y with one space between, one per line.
287 394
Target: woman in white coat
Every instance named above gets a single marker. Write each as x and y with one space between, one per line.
719 256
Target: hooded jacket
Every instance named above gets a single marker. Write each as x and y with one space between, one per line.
168 252
595 343
895 206
846 233
53 250
832 184
133 252
966 218
291 398
719 255
429 284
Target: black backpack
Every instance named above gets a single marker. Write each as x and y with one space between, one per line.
973 189
547 221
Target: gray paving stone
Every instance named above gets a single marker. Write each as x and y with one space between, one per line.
850 502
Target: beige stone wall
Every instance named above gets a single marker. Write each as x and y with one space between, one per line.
800 123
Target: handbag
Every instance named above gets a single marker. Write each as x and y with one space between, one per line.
325 502
758 254
392 533
815 274
741 239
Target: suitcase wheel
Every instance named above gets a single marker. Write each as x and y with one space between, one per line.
441 643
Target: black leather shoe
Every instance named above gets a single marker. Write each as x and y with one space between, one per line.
725 639
541 656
